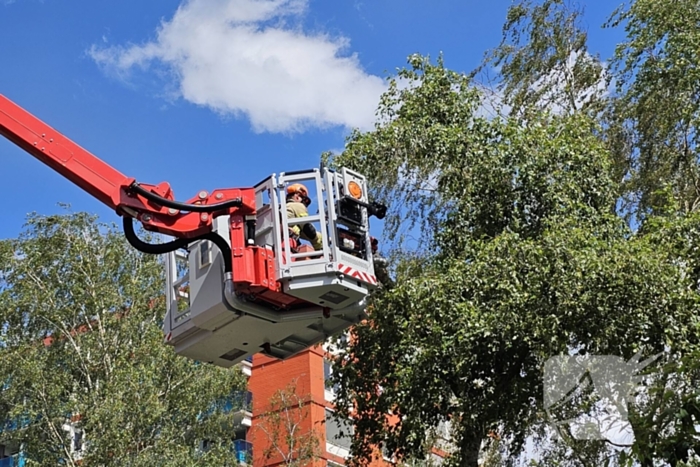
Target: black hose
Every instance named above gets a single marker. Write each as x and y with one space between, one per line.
149 248
219 241
231 203
162 248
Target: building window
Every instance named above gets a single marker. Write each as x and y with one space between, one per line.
326 370
244 451
338 433
204 254
330 390
77 440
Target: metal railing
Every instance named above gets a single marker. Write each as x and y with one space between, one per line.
244 451
13 461
240 400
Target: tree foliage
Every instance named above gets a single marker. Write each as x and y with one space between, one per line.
544 62
524 255
649 124
658 101
286 428
81 344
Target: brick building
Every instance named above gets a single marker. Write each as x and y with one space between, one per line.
306 373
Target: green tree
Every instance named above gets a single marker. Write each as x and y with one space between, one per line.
657 106
544 61
649 124
286 429
81 345
524 257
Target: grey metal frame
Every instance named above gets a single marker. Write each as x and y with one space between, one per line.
222 328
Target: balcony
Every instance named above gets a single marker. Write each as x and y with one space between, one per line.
240 400
13 461
247 366
244 451
240 404
14 424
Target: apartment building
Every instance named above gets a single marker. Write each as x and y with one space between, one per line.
307 373
311 412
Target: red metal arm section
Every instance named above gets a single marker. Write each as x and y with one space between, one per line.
109 185
254 273
61 154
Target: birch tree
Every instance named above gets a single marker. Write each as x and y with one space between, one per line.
81 346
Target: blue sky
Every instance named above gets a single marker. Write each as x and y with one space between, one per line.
212 94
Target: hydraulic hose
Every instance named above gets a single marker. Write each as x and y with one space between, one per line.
162 248
231 203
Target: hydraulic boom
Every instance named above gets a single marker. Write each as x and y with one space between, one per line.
153 205
254 292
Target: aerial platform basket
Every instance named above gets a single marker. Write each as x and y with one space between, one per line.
300 300
237 288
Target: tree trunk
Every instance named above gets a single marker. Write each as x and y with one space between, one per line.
469 450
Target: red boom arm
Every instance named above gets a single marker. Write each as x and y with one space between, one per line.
113 188
154 205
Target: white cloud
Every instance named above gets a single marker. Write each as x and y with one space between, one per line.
554 84
552 88
492 104
251 58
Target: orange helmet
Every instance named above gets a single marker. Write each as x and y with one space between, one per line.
297 188
301 189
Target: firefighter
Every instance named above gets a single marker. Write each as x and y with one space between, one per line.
381 266
297 203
